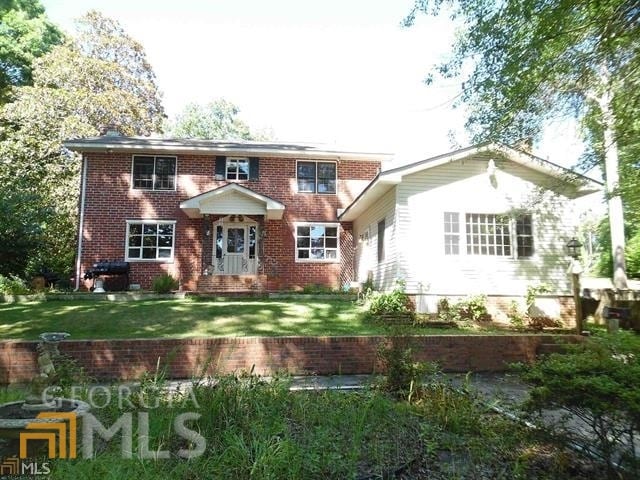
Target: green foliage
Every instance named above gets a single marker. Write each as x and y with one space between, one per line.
596 382
100 77
532 292
25 34
515 316
388 303
403 375
633 256
526 62
12 285
317 289
217 120
470 309
164 283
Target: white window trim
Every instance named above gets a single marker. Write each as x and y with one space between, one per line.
151 260
512 234
312 260
175 183
226 170
316 177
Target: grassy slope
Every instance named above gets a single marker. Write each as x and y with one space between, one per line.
183 318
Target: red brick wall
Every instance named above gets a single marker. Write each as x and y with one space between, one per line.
110 202
128 359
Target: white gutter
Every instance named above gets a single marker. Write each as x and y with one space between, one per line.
83 190
213 150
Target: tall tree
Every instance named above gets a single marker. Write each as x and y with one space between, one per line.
25 34
531 60
78 88
217 120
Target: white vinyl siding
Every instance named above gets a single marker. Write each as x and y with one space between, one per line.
464 187
236 203
365 229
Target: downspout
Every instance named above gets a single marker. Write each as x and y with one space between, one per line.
83 189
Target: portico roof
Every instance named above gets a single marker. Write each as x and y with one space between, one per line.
232 199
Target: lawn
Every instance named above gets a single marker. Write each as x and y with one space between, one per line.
189 317
183 318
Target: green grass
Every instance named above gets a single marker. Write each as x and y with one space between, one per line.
259 430
192 318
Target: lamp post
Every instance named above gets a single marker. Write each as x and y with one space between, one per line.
573 250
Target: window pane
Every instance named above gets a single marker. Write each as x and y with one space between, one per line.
331 242
135 229
332 231
252 242
304 231
317 231
232 169
317 242
149 241
326 186
135 241
165 241
303 253
150 228
143 173
487 234
317 253
235 240
381 249
331 253
306 172
149 252
165 229
164 253
304 242
134 253
218 241
165 173
243 169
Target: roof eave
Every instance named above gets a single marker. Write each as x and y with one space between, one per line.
84 147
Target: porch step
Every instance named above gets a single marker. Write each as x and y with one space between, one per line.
232 283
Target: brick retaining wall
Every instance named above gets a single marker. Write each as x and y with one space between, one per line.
127 359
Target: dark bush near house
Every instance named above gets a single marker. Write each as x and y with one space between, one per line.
164 284
597 383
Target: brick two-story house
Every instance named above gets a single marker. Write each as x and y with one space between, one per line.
220 216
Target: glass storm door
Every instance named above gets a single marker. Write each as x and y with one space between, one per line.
235 250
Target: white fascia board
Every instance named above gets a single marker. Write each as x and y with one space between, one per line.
249 152
369 196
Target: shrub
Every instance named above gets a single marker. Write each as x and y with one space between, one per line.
164 284
13 285
597 383
404 376
393 302
515 316
472 308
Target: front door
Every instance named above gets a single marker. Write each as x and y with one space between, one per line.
235 249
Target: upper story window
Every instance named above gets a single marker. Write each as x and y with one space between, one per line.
150 240
154 172
489 234
316 177
317 242
237 168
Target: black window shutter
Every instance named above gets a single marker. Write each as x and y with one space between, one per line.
221 166
254 168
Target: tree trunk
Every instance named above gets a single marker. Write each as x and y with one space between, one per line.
616 215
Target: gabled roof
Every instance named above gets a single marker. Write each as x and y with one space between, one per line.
119 143
387 179
213 202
